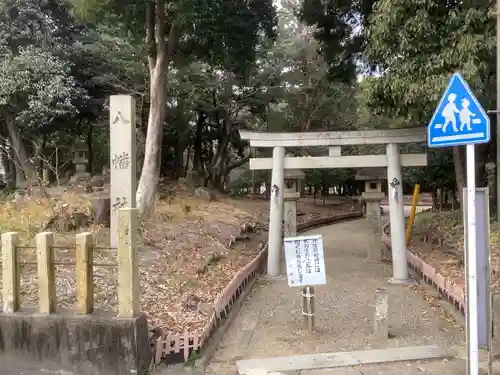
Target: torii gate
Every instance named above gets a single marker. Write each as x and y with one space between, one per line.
393 160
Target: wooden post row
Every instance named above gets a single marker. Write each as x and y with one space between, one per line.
84 273
10 271
128 267
46 275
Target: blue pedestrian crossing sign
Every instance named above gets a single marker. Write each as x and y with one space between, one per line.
459 119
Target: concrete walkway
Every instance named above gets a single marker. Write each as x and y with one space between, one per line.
269 323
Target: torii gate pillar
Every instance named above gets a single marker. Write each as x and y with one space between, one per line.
334 141
396 210
276 212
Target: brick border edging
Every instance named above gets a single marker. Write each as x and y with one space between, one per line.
454 293
226 303
213 341
322 221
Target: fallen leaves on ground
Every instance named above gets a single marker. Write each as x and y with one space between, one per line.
184 253
434 301
447 258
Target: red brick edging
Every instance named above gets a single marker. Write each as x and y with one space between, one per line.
453 292
322 221
184 343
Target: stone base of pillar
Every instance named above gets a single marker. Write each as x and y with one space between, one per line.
373 215
290 213
375 248
273 278
373 203
408 281
80 177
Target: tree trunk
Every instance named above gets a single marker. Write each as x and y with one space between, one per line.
198 166
21 156
12 166
458 162
435 201
160 51
179 161
4 159
20 178
90 148
481 158
218 166
217 181
459 156
187 161
151 168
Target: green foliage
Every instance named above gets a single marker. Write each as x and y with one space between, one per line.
438 174
337 26
306 100
32 22
36 83
227 33
367 117
223 33
325 178
418 44
37 87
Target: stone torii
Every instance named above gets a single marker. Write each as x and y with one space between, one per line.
392 160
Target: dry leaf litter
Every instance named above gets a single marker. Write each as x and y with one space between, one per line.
185 258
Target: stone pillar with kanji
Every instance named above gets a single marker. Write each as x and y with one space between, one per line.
123 182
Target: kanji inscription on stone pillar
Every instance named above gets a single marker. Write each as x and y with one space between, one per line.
122 158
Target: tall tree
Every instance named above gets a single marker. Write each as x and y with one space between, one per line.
37 87
417 45
223 32
339 30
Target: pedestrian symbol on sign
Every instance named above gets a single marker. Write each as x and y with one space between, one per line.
474 128
449 114
465 116
459 118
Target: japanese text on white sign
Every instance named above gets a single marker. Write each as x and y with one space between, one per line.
305 262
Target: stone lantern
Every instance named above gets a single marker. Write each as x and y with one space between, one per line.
373 193
373 196
293 180
80 160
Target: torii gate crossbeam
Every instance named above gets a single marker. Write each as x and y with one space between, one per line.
335 140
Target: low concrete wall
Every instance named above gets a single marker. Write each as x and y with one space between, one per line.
80 345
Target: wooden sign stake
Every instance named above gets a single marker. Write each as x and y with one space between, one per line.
308 311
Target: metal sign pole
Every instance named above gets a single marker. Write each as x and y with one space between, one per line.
471 309
459 119
483 263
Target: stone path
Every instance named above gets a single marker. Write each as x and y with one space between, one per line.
269 323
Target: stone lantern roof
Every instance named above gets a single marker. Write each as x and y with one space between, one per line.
370 174
291 174
294 174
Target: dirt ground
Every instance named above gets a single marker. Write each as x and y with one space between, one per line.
447 256
270 324
185 252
